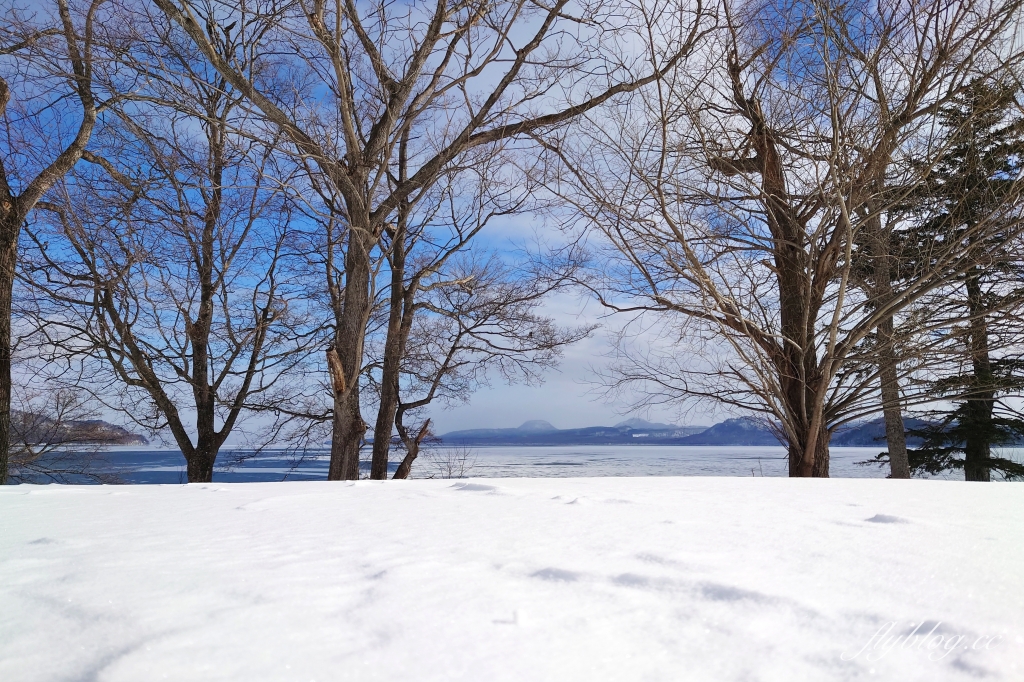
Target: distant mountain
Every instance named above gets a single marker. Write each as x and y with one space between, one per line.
866 434
536 425
31 427
738 431
748 431
99 431
539 432
636 423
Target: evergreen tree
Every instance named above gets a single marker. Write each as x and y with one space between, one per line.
974 195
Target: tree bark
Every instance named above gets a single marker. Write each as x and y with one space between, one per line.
385 414
412 447
794 356
405 468
10 227
819 465
200 465
981 400
347 425
347 363
393 351
798 368
895 433
881 290
796 360
399 329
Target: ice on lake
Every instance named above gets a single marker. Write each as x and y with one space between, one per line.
168 466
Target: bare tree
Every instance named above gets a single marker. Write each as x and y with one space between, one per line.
56 437
477 318
736 196
448 77
49 110
167 265
432 271
445 316
449 462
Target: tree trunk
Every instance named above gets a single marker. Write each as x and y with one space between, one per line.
412 446
200 465
795 359
881 291
981 401
391 410
347 429
200 460
818 468
798 368
895 433
977 449
385 413
405 468
345 359
394 348
10 227
382 428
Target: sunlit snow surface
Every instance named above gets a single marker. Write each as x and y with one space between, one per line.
658 578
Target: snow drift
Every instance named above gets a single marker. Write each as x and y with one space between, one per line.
710 579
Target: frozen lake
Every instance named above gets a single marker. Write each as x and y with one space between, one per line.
167 466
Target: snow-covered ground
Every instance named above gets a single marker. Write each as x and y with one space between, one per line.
709 579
